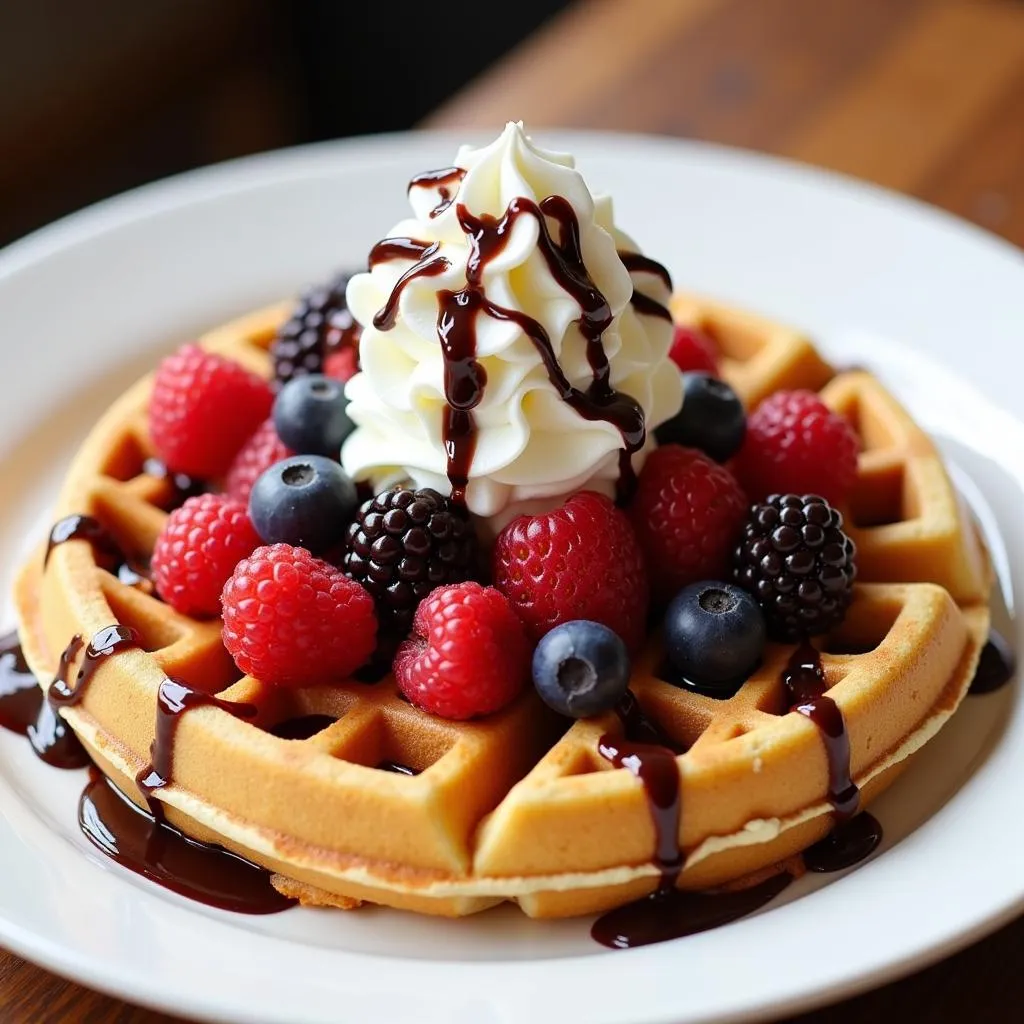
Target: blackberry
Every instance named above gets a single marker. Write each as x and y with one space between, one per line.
798 563
405 543
319 325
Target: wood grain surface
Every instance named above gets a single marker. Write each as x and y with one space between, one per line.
924 96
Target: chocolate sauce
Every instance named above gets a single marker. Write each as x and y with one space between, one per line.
159 852
996 667
131 571
848 843
397 768
20 694
301 728
51 737
173 699
675 913
183 486
465 378
443 180
854 836
397 249
635 262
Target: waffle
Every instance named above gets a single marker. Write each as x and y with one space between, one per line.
520 806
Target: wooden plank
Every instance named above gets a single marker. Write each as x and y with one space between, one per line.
579 53
909 110
985 180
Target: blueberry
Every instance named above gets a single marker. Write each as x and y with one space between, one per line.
581 668
306 501
711 419
311 415
714 636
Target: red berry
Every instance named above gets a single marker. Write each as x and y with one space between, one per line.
795 444
688 514
198 549
203 409
468 654
581 561
291 619
258 454
342 364
693 351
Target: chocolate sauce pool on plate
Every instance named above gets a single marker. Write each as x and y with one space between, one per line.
996 667
159 852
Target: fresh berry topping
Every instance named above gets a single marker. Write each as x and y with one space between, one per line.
693 351
311 415
581 561
468 654
798 563
293 620
342 365
688 513
203 409
306 501
711 418
319 325
581 668
405 543
714 636
198 549
796 444
258 454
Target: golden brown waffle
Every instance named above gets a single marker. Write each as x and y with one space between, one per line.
517 806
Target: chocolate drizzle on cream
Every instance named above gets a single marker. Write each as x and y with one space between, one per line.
445 180
464 375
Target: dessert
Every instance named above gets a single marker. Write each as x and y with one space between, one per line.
507 617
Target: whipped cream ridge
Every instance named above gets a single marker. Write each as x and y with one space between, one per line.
508 355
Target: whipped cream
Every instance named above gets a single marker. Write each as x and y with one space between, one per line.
502 357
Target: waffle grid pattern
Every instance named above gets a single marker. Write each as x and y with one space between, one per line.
517 805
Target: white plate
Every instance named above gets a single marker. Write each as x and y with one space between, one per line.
88 302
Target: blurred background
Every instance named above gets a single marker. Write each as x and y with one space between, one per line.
97 96
924 96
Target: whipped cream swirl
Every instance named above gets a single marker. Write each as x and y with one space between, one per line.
508 354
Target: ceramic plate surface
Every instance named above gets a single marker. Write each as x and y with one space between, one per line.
935 306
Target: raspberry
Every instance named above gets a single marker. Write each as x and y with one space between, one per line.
342 365
258 454
203 409
319 325
403 544
688 512
468 655
581 561
693 351
198 549
798 563
796 444
293 620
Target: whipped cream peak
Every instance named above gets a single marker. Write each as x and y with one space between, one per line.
515 344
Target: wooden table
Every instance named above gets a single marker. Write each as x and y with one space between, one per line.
925 96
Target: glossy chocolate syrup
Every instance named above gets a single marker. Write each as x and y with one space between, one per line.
398 248
465 378
183 486
444 180
675 913
668 913
159 852
397 767
854 836
174 698
635 262
996 667
51 737
20 694
133 572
